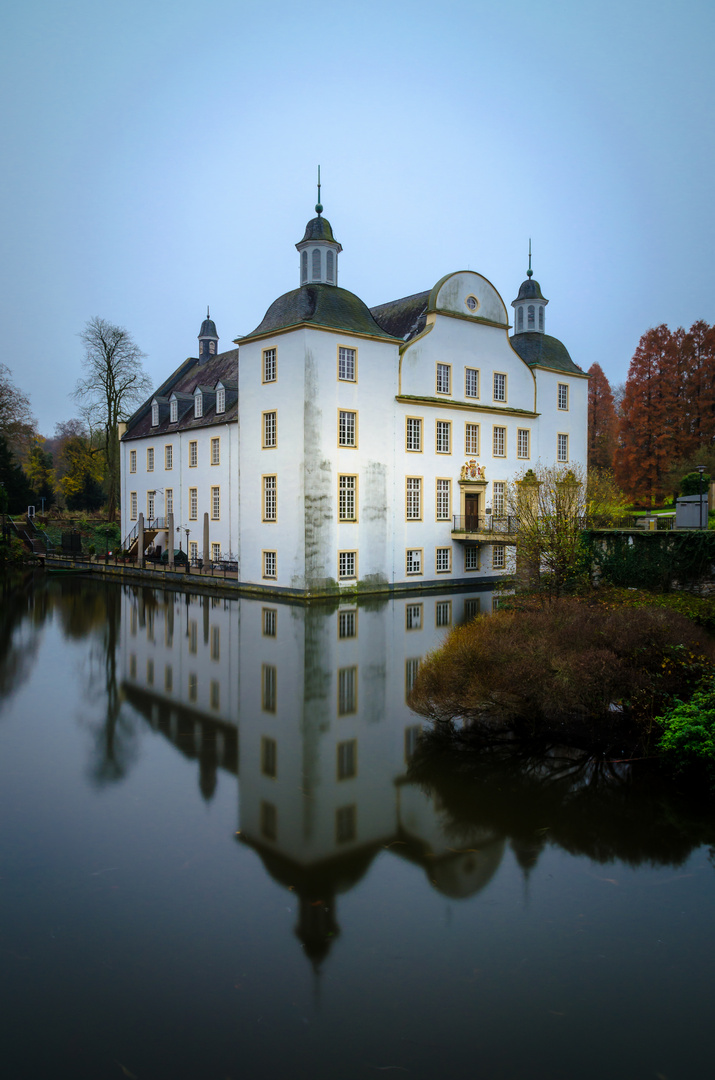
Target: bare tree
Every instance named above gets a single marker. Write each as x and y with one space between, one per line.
17 424
114 385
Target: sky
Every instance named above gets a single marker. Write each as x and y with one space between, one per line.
160 155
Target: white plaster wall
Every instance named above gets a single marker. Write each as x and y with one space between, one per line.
552 421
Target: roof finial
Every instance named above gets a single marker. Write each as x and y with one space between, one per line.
208 316
529 272
318 205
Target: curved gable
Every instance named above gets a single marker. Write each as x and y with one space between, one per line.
451 294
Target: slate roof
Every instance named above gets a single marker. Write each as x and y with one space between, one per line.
189 375
540 350
403 318
530 290
208 329
319 228
321 305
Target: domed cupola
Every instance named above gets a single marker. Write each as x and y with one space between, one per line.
319 250
208 339
529 305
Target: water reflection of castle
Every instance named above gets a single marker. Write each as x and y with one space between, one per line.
307 706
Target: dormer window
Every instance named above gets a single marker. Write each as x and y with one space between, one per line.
199 405
154 413
173 410
221 400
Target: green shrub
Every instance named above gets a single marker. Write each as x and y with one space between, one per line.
688 737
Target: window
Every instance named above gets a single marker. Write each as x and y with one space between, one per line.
471 382
562 447
193 454
347 623
216 451
269 821
193 687
132 461
150 672
269 365
443 437
413 433
443 560
413 617
347 759
193 504
347 691
520 320
347 428
471 557
198 404
471 438
530 316
268 688
132 666
173 410
215 689
193 637
269 622
563 396
472 607
269 757
269 564
443 378
154 414
499 448
411 668
168 678
133 505
215 552
444 500
345 824
541 317
215 642
499 498
413 561
269 429
194 552
215 503
316 264
270 508
221 399
498 556
150 505
347 498
303 267
150 459
346 364
499 386
169 495
413 509
443 613
169 457
522 442
329 264
347 561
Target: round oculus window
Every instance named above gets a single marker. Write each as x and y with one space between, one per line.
472 303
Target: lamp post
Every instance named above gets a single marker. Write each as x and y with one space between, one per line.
701 470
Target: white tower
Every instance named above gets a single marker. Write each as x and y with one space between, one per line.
529 305
319 250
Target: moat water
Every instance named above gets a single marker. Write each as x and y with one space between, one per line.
225 854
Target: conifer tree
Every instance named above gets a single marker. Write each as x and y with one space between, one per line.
602 424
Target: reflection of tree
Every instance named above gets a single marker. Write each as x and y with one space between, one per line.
20 604
588 806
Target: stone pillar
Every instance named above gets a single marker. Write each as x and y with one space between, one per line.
140 541
207 550
170 534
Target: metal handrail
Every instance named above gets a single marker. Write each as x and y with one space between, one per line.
489 523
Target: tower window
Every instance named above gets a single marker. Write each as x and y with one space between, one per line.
316 264
541 318
530 316
303 267
520 320
329 266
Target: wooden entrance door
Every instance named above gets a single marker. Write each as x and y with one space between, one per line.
471 511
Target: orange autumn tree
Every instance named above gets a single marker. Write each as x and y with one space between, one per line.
602 423
651 414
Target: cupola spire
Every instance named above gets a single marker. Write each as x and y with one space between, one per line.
318 205
319 250
208 338
530 304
